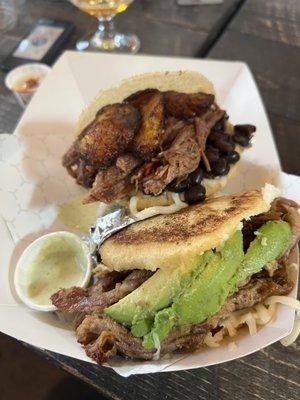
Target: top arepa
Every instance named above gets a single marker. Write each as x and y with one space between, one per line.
153 135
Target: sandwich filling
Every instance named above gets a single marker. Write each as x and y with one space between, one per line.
156 141
140 312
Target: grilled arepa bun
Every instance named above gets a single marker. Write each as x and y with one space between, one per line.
180 81
165 241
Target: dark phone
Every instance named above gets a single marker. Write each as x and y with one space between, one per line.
42 44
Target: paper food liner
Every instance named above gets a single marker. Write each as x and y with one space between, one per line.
34 186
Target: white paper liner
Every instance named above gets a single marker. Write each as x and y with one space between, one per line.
33 184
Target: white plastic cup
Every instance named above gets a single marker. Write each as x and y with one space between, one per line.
24 262
24 72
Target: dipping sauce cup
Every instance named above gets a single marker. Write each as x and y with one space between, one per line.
23 81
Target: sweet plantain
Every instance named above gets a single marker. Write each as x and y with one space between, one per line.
109 134
146 142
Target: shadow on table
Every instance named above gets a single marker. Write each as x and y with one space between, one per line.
72 388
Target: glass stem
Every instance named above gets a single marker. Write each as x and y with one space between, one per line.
106 27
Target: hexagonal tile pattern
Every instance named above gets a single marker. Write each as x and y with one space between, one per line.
9 206
11 179
33 182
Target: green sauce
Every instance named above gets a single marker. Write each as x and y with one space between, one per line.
58 263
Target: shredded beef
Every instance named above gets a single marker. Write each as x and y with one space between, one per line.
103 337
105 292
183 155
172 128
187 105
158 137
127 163
114 182
109 184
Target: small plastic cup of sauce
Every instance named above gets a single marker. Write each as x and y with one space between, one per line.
23 81
53 261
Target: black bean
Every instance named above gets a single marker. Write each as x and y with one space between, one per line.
214 136
208 175
245 129
241 139
196 176
212 153
220 167
179 187
195 194
220 126
232 157
224 146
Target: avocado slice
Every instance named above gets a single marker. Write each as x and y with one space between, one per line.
137 310
204 296
192 292
271 242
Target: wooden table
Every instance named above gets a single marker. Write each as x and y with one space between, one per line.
266 35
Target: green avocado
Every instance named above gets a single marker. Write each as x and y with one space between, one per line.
193 292
204 296
137 310
225 271
271 242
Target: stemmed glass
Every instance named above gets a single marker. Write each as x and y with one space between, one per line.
106 38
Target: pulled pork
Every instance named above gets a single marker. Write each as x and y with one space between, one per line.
158 137
182 157
113 182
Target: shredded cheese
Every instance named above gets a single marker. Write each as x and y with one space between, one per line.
232 346
263 316
292 337
151 211
258 315
294 303
286 300
214 341
251 322
272 311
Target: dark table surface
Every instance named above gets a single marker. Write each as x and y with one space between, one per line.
266 35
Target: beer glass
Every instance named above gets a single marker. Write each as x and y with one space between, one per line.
106 38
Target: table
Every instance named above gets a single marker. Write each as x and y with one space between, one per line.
266 35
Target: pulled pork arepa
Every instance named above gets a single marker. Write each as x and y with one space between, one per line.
157 139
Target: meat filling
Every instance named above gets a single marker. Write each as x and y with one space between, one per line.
103 338
104 293
152 140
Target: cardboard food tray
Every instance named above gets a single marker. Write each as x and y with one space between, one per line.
33 184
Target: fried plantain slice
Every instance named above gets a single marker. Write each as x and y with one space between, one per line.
141 97
146 142
187 105
109 134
